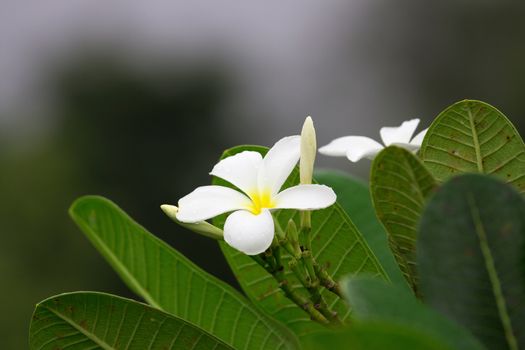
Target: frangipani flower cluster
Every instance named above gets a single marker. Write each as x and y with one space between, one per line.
356 148
250 226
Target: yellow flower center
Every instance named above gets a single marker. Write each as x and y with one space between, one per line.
260 200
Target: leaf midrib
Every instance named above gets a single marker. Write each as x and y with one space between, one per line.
415 184
493 275
411 273
119 265
89 335
475 139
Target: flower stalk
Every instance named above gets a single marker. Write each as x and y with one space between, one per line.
327 281
269 263
293 237
297 267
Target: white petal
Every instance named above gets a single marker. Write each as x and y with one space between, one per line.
353 147
399 134
240 170
338 147
279 163
418 139
208 201
305 197
249 233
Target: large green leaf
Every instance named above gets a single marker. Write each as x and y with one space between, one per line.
399 185
472 136
471 258
375 335
354 197
169 281
88 320
336 243
375 300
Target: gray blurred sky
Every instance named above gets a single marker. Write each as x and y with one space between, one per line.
289 58
353 65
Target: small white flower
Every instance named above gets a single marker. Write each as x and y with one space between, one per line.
250 228
356 148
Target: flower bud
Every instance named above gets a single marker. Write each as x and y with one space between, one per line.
203 228
308 151
291 231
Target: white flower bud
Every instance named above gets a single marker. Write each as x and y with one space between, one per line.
202 227
308 151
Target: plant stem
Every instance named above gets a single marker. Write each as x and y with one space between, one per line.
304 267
308 259
278 272
300 262
283 239
313 281
314 289
327 281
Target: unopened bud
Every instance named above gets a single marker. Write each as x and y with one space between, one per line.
291 231
308 151
202 227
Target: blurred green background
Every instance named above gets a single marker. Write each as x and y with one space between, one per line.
137 102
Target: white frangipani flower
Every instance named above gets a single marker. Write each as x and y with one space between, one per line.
356 148
250 228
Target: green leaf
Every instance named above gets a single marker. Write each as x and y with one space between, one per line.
88 320
375 335
374 300
354 197
399 185
336 243
471 258
472 136
169 281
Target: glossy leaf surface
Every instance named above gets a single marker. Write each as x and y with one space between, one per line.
374 300
87 320
471 258
354 197
169 281
376 335
399 185
472 136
